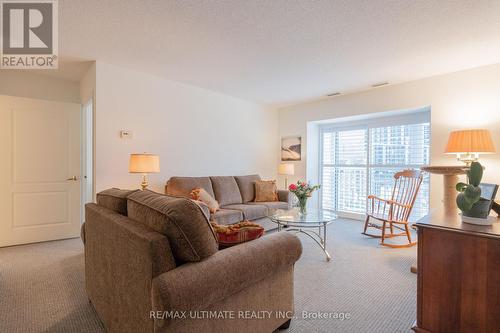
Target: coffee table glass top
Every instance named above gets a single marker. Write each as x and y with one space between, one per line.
313 218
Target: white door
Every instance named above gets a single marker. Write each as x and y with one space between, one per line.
40 191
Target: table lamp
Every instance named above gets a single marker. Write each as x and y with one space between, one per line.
286 169
144 163
468 144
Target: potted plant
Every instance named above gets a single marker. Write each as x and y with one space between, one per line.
303 191
474 208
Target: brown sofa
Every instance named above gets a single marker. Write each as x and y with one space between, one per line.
152 265
235 195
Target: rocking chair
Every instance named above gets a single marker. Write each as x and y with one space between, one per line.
394 213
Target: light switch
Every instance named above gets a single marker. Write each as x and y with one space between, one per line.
126 134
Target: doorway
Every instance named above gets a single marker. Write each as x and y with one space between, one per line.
40 170
87 153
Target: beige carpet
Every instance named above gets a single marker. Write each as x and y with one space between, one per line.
42 286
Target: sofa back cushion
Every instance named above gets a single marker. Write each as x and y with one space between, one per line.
266 191
114 199
181 220
226 190
182 186
246 185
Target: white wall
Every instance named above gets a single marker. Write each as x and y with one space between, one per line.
23 83
466 99
196 132
87 84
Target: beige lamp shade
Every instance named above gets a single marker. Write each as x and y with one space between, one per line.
286 169
144 163
470 141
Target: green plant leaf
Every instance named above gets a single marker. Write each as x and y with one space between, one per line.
475 173
461 187
473 193
463 203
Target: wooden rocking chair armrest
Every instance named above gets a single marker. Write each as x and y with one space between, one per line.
378 205
389 201
392 202
374 197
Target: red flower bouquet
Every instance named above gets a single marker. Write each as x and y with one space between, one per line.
303 191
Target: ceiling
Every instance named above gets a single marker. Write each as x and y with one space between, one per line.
278 52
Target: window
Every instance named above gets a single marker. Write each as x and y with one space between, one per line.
362 159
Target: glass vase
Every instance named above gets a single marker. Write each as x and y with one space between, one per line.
302 204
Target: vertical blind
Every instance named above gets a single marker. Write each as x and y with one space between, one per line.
361 160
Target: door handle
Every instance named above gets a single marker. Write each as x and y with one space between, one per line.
73 178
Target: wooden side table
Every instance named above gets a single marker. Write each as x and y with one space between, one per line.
450 180
458 274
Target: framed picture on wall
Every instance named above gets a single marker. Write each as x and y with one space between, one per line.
291 148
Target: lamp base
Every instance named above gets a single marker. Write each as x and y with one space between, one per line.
145 182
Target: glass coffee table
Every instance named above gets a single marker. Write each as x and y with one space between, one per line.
317 219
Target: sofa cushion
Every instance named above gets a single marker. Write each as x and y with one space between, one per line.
226 190
250 212
114 199
227 216
246 185
182 186
181 220
271 204
266 190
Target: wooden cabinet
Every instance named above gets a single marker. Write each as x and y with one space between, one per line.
458 283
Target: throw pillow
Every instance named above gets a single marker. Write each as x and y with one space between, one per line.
266 190
200 194
229 235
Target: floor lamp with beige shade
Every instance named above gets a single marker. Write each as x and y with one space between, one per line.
144 163
286 169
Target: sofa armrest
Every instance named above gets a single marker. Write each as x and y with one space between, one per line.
285 196
196 286
122 257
